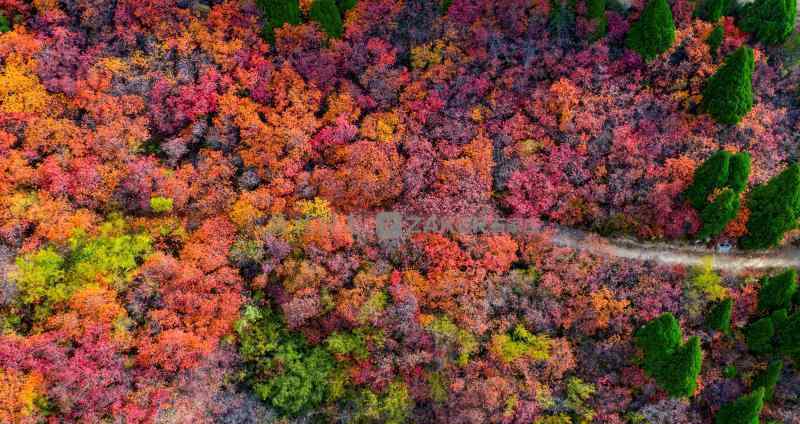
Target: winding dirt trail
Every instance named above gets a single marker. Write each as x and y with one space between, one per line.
735 261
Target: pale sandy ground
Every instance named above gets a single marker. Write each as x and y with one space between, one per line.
734 262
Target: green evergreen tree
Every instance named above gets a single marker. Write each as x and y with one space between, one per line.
772 21
768 378
774 209
658 340
744 410
720 316
728 94
759 335
739 171
445 6
596 11
5 25
776 292
675 367
326 14
678 376
715 39
718 214
345 5
788 339
712 174
276 14
654 32
710 10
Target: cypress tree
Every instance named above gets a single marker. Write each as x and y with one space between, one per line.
728 94
326 14
710 10
789 336
744 410
658 339
758 335
720 316
277 13
654 32
776 292
678 376
768 378
675 367
719 213
774 208
772 21
713 173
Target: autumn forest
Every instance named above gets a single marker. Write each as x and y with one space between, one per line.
194 198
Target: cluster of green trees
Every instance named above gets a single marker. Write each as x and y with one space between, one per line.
327 13
776 333
771 21
295 377
728 94
715 192
778 330
673 364
724 174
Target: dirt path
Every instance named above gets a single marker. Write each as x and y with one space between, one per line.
736 261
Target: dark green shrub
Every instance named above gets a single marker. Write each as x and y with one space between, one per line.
595 8
713 173
561 21
345 5
326 14
445 5
654 32
776 292
596 11
773 209
759 335
768 378
772 21
276 14
5 24
728 94
744 410
720 316
710 10
739 170
719 213
788 339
